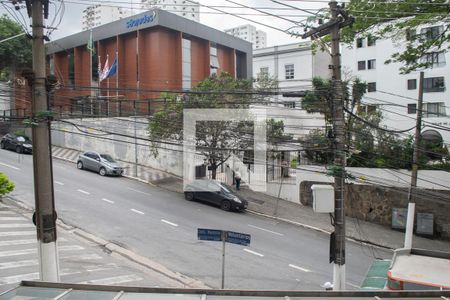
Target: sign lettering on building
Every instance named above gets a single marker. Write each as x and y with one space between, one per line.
142 20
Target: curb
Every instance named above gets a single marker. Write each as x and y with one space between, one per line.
125 253
348 238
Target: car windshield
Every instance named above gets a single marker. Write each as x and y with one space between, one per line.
225 187
107 157
22 139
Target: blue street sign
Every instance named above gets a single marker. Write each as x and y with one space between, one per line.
209 234
237 238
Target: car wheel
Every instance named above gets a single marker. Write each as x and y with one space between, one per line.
102 171
18 149
189 196
80 165
2 145
225 205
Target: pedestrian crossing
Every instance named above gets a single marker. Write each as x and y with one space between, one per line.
80 261
142 172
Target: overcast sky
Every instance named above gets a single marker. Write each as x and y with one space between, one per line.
71 18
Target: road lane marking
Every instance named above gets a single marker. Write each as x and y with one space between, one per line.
107 200
18 264
266 230
59 182
17 233
96 268
82 257
299 268
9 166
168 222
137 211
18 278
34 250
353 285
84 192
12 219
141 192
7 212
253 252
18 242
16 225
113 280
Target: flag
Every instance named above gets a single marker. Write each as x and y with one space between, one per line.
105 71
90 44
112 70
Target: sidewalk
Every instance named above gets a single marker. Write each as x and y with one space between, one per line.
356 230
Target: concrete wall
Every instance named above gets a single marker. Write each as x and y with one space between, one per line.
374 204
122 145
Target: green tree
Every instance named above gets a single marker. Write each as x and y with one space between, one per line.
215 140
6 186
402 21
15 53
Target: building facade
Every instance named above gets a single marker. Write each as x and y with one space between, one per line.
293 66
97 15
396 94
156 51
249 33
183 8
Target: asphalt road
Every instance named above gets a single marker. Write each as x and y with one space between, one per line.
163 226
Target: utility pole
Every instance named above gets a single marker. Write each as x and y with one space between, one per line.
45 214
339 18
412 187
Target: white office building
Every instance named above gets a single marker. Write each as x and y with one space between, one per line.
183 8
249 33
395 94
293 66
97 15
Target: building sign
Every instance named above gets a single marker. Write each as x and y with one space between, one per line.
142 20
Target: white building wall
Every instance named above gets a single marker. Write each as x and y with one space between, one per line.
249 33
97 15
389 80
183 8
306 65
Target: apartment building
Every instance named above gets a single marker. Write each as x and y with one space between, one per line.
249 33
396 94
97 15
183 8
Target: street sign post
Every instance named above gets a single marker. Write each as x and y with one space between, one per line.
224 237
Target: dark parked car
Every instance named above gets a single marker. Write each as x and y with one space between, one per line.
216 193
104 164
18 143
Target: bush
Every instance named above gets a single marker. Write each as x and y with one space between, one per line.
6 186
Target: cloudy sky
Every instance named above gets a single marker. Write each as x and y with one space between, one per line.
286 15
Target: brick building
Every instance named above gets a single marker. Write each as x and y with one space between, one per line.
156 51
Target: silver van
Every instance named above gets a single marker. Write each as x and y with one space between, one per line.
104 164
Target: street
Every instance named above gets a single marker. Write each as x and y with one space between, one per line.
162 226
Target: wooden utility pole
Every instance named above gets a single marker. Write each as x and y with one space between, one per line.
45 214
415 161
339 18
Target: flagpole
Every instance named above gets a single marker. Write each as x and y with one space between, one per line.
99 74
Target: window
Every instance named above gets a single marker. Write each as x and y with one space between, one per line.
289 71
371 87
431 33
412 84
263 72
436 109
371 64
361 65
433 84
412 108
359 43
436 59
290 104
71 68
368 108
371 41
214 62
186 63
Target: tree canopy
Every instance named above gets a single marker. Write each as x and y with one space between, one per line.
215 140
16 50
403 21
